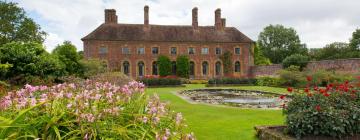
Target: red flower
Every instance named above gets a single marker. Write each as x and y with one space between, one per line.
317 107
309 95
316 88
326 94
346 82
308 78
289 89
322 90
306 90
282 97
330 85
353 91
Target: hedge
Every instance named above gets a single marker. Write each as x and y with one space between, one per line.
160 81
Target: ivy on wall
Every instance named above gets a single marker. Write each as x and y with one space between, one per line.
226 59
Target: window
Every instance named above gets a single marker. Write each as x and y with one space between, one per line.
237 50
173 50
140 50
218 51
205 68
126 68
173 67
237 66
192 69
204 50
191 50
155 50
103 50
125 51
141 69
217 68
154 68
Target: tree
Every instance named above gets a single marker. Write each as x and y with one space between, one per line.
164 63
16 26
29 59
277 42
91 67
182 66
259 58
296 60
67 54
336 50
355 43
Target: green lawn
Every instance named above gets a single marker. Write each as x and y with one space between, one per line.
210 122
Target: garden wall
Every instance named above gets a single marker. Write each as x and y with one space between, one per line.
343 65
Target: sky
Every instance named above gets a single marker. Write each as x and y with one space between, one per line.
317 22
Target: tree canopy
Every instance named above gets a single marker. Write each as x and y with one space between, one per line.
277 42
16 26
67 53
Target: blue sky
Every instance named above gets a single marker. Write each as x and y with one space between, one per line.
318 22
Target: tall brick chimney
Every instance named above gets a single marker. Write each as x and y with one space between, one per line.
146 15
195 17
223 23
110 16
218 25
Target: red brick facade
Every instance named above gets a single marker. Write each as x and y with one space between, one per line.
119 44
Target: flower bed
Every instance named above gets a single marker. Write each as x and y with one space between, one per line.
88 110
333 110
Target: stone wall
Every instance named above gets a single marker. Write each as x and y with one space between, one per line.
265 70
341 65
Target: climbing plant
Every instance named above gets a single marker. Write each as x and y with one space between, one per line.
226 59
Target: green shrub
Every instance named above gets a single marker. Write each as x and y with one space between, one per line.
68 55
198 81
268 81
296 60
293 77
182 66
226 58
160 81
92 67
164 65
331 111
231 81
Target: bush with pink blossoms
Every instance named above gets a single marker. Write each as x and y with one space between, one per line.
88 110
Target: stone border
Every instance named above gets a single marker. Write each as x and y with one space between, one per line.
227 85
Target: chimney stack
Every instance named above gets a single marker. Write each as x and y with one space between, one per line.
223 23
195 17
146 15
218 24
110 16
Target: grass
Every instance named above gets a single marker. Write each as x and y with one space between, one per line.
210 122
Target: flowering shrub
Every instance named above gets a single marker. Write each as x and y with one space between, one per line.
88 110
333 110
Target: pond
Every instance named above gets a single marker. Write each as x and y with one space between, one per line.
235 97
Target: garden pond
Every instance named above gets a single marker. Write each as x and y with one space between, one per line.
235 97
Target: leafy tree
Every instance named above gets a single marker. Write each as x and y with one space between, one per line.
336 50
277 42
67 53
182 66
29 59
227 63
164 63
259 58
296 60
16 26
355 40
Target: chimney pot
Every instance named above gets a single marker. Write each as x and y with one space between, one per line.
195 17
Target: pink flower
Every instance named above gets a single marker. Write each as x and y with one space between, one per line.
69 105
144 119
178 118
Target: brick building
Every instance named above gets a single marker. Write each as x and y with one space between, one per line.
134 48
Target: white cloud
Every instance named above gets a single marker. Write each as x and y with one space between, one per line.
51 41
318 22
